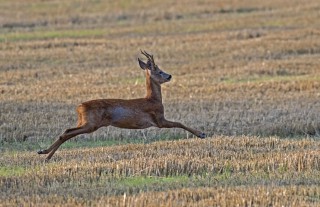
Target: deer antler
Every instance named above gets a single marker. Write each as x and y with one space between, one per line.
150 59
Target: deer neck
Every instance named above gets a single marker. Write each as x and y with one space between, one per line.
153 89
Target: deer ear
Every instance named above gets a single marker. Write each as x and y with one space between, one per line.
142 64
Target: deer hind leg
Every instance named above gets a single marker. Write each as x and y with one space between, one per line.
80 123
68 134
46 151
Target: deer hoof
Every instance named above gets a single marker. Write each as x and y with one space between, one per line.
41 152
202 135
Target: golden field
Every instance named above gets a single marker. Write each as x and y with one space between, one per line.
245 72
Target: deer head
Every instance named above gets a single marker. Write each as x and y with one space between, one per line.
156 74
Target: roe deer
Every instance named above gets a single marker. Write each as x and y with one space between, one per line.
138 113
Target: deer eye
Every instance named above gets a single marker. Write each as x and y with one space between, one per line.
160 72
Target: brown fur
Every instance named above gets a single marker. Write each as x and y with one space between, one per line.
130 114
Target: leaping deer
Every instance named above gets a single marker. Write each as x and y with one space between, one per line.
138 113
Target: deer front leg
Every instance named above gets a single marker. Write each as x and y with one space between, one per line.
170 124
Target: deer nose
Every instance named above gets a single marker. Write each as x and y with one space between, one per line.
169 77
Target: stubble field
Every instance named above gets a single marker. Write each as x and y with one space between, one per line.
246 73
